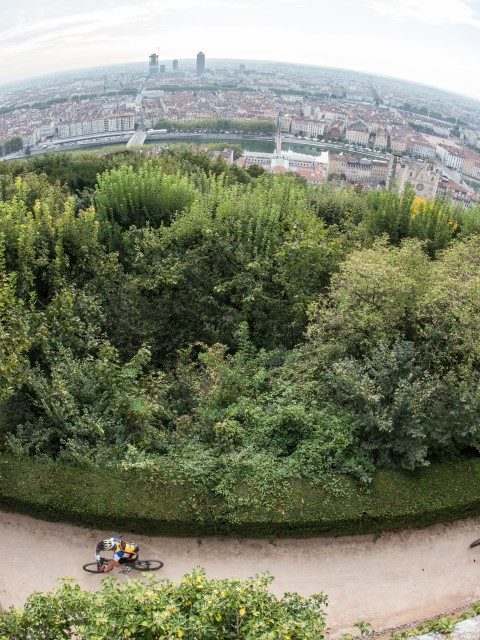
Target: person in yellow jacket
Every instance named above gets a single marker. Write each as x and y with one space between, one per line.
123 552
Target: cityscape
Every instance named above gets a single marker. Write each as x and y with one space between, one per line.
328 124
239 319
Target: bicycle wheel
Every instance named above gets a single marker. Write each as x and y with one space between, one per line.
148 565
92 567
475 543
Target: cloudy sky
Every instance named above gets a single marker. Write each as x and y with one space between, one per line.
431 41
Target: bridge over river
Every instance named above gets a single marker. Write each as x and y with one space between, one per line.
137 139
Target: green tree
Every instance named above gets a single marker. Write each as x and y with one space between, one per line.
125 197
256 254
14 334
46 241
372 299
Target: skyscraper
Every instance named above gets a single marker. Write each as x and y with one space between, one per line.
175 65
153 65
200 63
162 68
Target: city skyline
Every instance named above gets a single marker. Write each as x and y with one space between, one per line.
431 42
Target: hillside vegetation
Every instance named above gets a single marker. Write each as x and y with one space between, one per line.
223 327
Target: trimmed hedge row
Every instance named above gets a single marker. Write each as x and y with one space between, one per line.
147 503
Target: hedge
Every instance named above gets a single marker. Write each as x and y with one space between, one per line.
147 503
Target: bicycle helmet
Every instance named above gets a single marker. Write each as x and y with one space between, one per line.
108 544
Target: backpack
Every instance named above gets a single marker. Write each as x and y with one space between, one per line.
126 547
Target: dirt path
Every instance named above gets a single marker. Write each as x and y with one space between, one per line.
396 579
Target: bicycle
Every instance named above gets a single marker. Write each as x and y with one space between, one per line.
139 565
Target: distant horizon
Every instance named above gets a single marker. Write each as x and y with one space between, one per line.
139 62
434 43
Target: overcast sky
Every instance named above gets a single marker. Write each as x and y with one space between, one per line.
432 41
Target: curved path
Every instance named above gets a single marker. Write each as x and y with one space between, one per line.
396 579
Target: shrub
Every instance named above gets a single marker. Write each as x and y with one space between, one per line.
128 197
143 610
149 500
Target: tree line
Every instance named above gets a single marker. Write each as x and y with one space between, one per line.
11 145
218 125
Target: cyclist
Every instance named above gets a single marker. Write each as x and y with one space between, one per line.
123 552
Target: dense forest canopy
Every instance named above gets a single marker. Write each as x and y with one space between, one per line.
177 312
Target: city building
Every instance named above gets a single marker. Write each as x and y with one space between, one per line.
471 164
357 133
459 193
153 65
336 131
381 139
452 156
423 176
312 168
200 63
398 144
343 167
422 149
162 68
310 128
226 154
175 65
121 122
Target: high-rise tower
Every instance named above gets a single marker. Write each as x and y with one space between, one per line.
175 65
153 65
200 63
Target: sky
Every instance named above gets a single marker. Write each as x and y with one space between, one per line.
436 42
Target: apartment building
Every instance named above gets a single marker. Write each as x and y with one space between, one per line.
320 113
422 149
398 144
336 131
379 174
102 125
459 193
36 135
124 122
310 128
471 164
381 139
451 156
354 169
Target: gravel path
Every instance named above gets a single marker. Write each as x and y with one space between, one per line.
390 581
